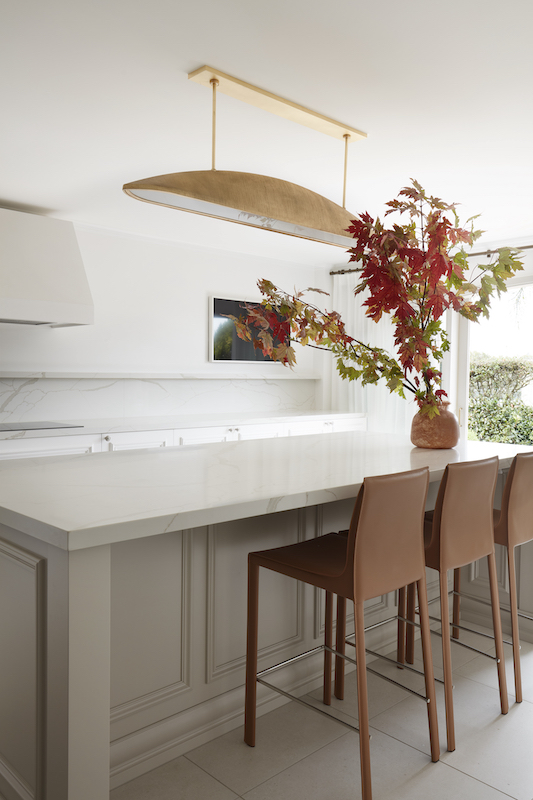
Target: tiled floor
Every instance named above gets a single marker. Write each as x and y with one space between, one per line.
300 755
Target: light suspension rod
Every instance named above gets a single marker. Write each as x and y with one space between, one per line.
214 84
346 138
280 106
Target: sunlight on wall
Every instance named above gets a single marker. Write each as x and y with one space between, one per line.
509 330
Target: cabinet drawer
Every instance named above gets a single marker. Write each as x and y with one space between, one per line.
136 440
306 427
267 430
350 424
205 435
50 446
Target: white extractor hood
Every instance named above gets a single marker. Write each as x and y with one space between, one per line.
42 277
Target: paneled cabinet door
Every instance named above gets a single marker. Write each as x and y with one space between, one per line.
50 446
137 440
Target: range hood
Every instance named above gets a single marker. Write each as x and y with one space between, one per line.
42 277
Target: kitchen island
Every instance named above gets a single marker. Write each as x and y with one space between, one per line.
89 543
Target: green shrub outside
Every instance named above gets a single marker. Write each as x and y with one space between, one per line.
499 421
499 377
496 411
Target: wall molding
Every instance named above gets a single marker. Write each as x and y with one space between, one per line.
10 779
166 693
216 671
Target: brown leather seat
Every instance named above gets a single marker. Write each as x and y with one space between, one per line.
513 526
458 532
383 551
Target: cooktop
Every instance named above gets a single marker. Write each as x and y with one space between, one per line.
34 426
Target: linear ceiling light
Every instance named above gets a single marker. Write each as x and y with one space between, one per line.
250 199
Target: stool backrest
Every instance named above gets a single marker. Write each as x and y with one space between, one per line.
463 519
386 537
517 500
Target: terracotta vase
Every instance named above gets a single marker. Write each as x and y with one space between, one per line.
438 433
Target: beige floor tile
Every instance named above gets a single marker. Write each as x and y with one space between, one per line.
177 780
398 773
490 747
303 756
484 671
500 752
284 736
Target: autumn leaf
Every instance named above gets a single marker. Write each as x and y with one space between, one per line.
413 272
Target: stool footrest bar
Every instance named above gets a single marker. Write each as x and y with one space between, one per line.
463 644
306 703
292 660
379 624
408 621
341 655
470 630
396 683
398 664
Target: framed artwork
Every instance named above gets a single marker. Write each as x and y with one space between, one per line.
224 344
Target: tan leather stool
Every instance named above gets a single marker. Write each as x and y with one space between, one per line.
459 531
513 526
383 550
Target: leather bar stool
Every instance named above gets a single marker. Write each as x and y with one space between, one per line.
458 532
383 550
513 526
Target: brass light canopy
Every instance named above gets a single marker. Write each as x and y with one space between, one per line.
247 198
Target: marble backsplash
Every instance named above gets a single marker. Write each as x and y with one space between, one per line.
32 399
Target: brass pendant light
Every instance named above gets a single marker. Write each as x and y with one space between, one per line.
249 199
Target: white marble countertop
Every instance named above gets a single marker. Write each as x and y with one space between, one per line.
75 502
175 422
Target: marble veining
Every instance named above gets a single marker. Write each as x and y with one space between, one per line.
177 422
37 398
82 501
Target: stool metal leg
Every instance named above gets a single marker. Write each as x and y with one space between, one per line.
362 701
328 641
456 601
428 670
447 660
340 647
514 623
402 611
410 633
497 623
251 654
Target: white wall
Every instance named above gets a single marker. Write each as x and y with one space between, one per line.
151 319
151 305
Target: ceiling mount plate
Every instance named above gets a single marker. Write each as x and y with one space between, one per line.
276 105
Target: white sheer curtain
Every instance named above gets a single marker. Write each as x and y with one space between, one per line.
385 412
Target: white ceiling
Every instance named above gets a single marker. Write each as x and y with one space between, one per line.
95 94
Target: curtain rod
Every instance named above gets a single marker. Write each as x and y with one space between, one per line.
487 253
